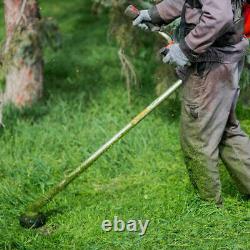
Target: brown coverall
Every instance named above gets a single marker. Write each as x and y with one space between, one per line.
209 128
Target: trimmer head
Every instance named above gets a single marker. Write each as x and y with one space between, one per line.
32 220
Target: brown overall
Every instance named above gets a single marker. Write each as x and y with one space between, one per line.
209 128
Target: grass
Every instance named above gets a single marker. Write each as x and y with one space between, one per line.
142 177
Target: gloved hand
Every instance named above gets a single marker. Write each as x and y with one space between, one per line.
141 19
176 56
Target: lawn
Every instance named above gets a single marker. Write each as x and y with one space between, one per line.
141 177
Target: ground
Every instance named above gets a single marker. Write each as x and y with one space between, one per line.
141 177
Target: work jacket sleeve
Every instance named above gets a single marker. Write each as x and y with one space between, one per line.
169 10
216 18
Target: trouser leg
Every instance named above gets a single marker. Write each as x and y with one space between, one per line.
235 150
208 95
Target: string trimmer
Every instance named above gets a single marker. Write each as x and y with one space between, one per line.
33 218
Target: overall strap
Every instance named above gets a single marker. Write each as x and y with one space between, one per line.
183 25
194 3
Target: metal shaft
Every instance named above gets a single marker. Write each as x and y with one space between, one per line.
36 206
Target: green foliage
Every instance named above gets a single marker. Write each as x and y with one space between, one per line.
142 177
111 3
25 47
50 35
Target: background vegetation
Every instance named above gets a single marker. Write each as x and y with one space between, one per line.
143 177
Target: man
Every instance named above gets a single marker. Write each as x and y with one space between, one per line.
209 57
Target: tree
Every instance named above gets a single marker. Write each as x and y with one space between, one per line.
22 53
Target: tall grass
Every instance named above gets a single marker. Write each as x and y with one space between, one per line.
142 177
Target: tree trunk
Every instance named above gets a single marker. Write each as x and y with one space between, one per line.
23 50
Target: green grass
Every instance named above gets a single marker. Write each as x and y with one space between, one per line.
142 177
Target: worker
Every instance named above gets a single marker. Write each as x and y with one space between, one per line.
209 58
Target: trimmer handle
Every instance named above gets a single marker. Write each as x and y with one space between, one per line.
132 12
164 51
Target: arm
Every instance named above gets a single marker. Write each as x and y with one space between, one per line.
217 17
162 13
169 10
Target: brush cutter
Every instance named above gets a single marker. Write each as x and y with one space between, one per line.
33 218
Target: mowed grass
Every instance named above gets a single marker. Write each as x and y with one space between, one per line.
141 177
